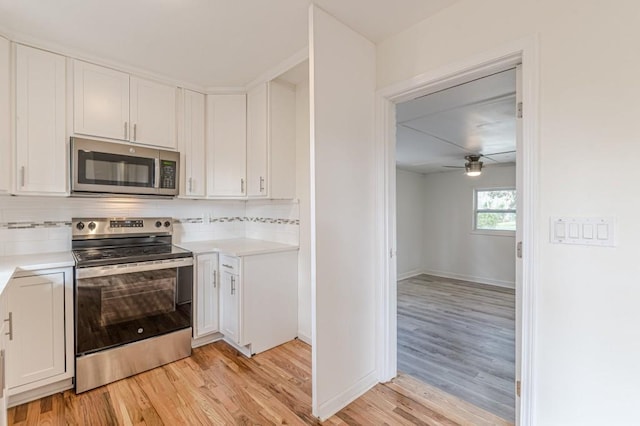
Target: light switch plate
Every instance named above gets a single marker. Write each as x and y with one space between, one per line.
589 231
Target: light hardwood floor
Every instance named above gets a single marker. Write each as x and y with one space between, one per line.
218 386
459 337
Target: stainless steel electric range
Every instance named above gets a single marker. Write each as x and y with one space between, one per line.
133 296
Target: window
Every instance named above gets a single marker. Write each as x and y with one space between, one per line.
495 209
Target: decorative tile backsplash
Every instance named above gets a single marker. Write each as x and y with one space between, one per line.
43 224
32 224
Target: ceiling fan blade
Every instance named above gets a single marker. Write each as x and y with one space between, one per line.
498 153
454 167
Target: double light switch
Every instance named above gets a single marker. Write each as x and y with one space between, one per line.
596 231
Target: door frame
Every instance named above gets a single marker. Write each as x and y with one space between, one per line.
523 51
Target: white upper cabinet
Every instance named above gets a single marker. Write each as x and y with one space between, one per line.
41 154
226 145
193 145
5 116
100 101
257 146
153 113
271 141
111 104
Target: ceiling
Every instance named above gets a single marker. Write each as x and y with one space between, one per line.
439 129
209 43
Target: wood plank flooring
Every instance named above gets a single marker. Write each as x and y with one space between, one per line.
218 386
459 337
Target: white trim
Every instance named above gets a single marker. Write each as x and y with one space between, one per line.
38 43
206 339
410 274
332 406
284 66
304 338
39 392
59 49
523 51
471 278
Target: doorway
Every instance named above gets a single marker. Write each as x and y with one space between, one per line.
456 225
524 52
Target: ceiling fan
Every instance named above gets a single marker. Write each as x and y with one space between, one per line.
473 166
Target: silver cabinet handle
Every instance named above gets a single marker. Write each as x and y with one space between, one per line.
22 175
261 184
3 372
215 279
126 128
224 265
135 132
233 285
190 184
242 185
10 321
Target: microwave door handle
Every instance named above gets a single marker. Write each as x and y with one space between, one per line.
156 183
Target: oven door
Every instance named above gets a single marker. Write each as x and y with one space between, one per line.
115 168
120 304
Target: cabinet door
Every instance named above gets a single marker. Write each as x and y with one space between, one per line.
193 143
226 145
36 346
229 306
153 113
257 148
100 101
282 140
5 127
41 155
207 310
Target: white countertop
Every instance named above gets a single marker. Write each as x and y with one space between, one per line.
236 246
32 262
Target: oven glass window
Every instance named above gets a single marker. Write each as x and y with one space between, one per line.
117 309
118 170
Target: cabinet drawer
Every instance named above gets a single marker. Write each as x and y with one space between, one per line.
230 264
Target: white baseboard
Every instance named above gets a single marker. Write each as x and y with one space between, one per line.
304 338
409 274
331 407
205 340
41 392
480 280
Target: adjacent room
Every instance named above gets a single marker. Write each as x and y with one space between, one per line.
456 225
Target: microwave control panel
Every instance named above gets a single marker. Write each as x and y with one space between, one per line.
168 173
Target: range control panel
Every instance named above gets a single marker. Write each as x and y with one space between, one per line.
105 227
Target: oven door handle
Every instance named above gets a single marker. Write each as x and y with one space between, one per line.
127 268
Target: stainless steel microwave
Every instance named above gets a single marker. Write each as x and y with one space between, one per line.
113 168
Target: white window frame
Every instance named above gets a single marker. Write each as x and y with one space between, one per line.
494 232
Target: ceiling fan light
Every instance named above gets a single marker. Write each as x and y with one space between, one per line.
473 168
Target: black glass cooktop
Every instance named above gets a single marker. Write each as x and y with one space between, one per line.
127 254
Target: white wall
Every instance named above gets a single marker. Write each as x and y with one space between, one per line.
43 224
303 188
587 336
410 209
451 248
343 236
434 228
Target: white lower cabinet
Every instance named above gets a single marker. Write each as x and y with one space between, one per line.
230 298
258 300
207 312
38 341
